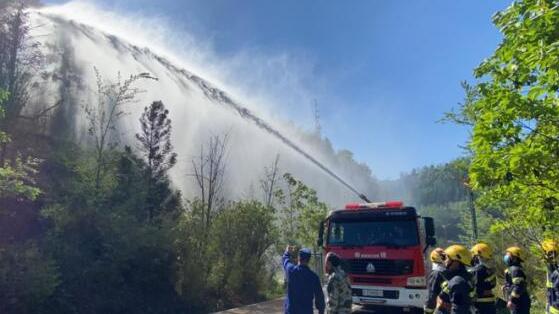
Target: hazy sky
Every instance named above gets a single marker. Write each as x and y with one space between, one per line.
383 72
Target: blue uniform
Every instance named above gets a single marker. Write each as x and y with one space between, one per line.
486 281
458 291
434 283
303 285
517 293
551 295
554 292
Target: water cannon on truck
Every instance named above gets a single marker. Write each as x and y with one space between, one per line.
382 246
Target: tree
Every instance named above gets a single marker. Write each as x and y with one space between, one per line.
20 61
20 56
102 117
301 212
209 172
515 123
269 182
109 260
27 278
155 139
16 179
241 235
437 184
155 144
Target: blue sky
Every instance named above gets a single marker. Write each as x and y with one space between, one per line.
383 72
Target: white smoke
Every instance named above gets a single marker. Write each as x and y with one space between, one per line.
79 36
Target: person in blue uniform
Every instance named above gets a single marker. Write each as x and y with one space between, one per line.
303 285
553 307
550 248
435 280
485 279
456 293
515 282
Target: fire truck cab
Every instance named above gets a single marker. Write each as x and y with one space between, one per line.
382 247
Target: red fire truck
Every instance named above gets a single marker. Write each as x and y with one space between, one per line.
382 246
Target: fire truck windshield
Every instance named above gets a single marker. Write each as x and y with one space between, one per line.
391 233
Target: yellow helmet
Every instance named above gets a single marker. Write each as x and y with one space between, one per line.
550 246
483 250
516 252
459 253
437 255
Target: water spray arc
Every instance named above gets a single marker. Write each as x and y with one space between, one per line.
221 97
151 62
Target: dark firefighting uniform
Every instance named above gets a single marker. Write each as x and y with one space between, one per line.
434 283
485 281
516 289
554 291
550 294
458 291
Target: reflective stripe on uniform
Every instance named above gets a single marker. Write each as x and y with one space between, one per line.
549 284
517 280
553 310
444 287
514 294
490 278
486 300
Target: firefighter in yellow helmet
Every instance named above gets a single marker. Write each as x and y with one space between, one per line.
457 293
435 280
518 299
550 248
484 278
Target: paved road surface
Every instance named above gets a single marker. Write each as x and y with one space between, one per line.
276 307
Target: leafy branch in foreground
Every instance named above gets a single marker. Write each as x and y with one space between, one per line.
16 177
514 117
102 116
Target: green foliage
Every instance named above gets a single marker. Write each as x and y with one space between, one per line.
514 142
241 235
514 117
156 148
16 180
437 184
448 219
109 259
301 212
27 278
519 137
103 115
438 191
228 266
155 139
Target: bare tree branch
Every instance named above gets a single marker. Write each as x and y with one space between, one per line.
269 182
209 173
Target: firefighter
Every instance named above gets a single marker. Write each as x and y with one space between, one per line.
456 293
518 299
436 278
550 248
338 287
554 305
484 278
